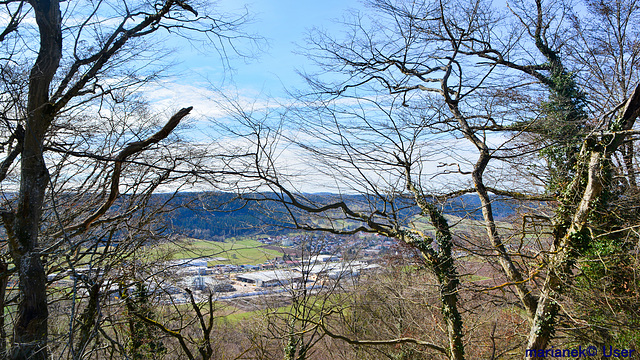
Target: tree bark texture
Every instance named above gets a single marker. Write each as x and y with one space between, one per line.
30 330
443 265
506 262
596 157
4 279
508 265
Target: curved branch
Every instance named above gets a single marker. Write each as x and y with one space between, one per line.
114 43
6 164
131 149
383 342
13 22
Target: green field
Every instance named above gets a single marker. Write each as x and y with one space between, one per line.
236 252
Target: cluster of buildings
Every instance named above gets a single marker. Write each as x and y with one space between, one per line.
360 244
313 271
167 280
308 271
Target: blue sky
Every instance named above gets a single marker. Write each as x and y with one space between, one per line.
259 81
283 23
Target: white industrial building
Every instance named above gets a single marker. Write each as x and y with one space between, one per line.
321 259
335 270
270 277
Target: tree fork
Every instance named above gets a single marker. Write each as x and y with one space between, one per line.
595 160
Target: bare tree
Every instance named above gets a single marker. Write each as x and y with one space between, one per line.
78 60
431 100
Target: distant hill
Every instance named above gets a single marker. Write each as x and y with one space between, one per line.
216 216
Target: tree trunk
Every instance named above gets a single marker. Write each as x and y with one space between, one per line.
508 266
559 270
4 277
88 321
506 262
443 265
449 297
30 330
